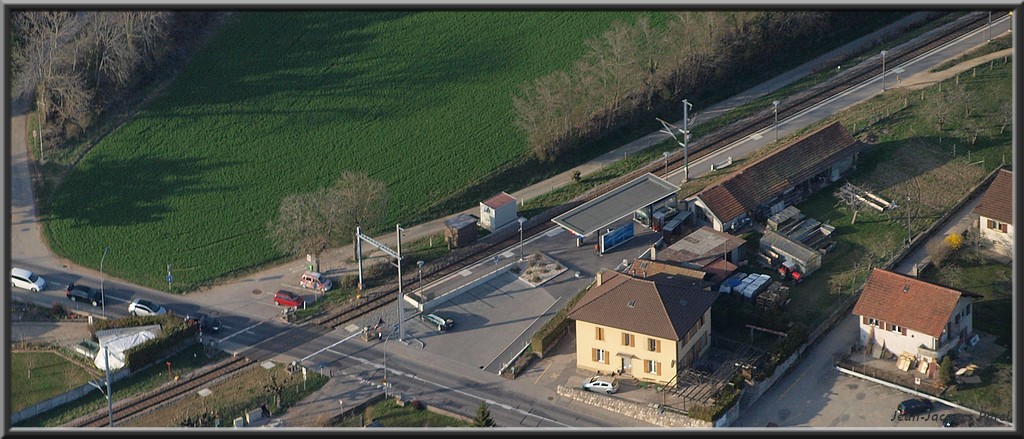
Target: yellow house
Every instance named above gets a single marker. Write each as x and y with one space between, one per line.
648 329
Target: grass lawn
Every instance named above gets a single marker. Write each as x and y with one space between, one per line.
233 397
994 395
38 376
143 381
390 414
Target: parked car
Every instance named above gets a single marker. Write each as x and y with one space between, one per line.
316 281
206 323
441 323
958 420
288 298
601 383
85 294
143 307
27 280
912 407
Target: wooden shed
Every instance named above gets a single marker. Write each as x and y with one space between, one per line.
460 230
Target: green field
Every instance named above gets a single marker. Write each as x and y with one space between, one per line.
50 375
280 103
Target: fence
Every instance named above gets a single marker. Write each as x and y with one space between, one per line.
433 303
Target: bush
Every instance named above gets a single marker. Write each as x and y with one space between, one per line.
938 252
348 281
547 334
417 404
954 240
57 310
946 371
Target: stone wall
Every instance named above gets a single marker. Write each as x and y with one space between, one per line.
643 411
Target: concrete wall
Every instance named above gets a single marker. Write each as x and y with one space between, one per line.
646 412
435 302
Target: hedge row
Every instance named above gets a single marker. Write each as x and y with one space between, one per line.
174 332
548 334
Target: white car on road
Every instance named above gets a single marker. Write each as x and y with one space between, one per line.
143 307
28 280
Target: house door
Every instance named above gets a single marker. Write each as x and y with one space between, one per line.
627 364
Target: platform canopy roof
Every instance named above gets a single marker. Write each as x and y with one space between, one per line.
616 204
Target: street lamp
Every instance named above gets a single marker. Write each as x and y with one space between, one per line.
883 69
686 137
110 402
419 265
776 105
103 295
665 155
521 221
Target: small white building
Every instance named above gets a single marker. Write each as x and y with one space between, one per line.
995 213
901 314
498 211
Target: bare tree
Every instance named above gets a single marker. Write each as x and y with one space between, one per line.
310 223
1006 114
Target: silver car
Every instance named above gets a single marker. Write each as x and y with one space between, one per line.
143 307
601 384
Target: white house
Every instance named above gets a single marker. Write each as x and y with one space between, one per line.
901 314
498 211
995 213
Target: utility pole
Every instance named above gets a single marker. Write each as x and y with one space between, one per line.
686 137
883 69
776 105
401 296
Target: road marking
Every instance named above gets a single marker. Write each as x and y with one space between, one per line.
508 254
331 346
486 400
756 136
465 273
244 330
542 373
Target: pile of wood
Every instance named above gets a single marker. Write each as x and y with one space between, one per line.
776 296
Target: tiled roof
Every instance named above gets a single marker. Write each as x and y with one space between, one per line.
701 247
907 301
997 202
659 308
769 176
644 268
499 200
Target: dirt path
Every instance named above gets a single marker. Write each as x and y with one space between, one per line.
922 80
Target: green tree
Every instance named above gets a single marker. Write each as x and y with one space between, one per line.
946 371
483 417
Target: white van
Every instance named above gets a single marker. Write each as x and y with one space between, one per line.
27 280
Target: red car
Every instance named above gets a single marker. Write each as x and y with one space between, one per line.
288 298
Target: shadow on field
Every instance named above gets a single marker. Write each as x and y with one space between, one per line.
132 191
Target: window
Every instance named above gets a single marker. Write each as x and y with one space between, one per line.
651 366
599 334
1003 228
996 225
652 345
628 339
991 224
896 328
873 322
600 356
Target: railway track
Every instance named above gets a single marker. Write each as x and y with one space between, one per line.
154 399
381 296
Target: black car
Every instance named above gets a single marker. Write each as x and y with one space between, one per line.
957 420
85 294
912 407
206 323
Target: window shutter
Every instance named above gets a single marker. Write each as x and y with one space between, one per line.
632 341
864 319
1003 227
593 355
598 333
607 357
903 331
647 366
991 224
657 345
657 368
886 326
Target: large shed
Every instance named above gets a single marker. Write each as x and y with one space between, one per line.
778 249
498 211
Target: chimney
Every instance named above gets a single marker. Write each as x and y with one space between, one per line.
599 278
